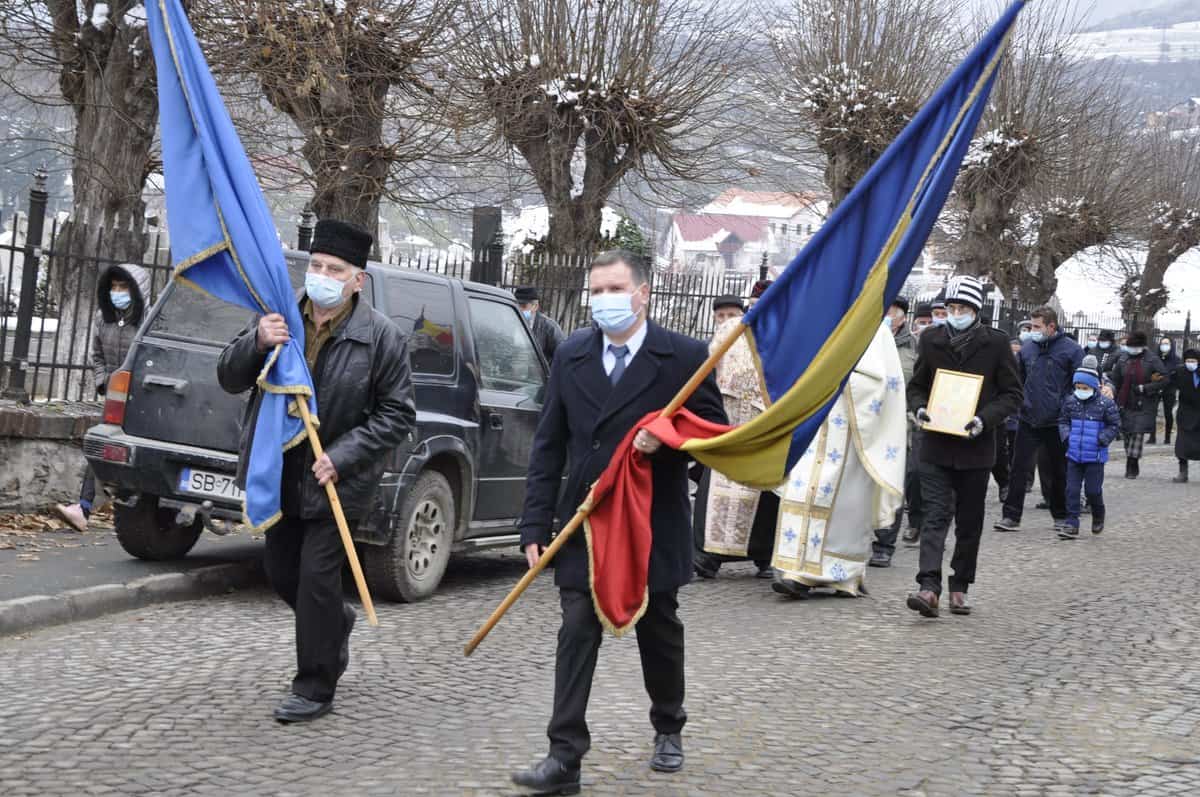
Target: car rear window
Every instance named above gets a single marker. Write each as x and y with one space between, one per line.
194 315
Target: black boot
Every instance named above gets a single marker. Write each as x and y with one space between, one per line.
1183 472
1129 468
1137 468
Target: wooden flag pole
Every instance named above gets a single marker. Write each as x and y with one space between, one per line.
680 399
340 517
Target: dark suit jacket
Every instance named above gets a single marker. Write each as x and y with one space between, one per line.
583 421
988 354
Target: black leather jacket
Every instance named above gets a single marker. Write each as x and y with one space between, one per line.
365 404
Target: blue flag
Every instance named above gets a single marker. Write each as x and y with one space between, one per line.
812 326
223 239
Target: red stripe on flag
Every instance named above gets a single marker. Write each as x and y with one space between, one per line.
618 529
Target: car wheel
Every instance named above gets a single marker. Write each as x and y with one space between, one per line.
149 532
410 566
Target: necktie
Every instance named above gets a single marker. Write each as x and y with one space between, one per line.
619 368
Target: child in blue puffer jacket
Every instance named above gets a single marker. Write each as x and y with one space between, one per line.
1088 423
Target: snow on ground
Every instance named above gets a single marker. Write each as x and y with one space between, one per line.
1182 43
1089 286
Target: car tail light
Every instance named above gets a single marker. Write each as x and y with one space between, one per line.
115 397
112 453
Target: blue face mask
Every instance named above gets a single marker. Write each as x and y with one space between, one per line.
1084 394
120 299
1190 366
1037 337
939 322
325 292
961 322
1104 345
1025 336
528 315
613 312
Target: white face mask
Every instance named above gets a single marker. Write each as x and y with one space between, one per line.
1165 348
1191 365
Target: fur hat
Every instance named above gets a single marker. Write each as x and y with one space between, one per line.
924 310
342 239
900 302
1136 339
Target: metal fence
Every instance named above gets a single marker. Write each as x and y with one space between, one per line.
48 279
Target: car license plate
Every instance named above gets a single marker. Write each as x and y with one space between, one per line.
202 482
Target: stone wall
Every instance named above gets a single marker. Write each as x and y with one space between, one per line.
41 461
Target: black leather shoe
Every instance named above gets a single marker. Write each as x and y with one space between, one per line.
790 589
705 565
668 753
880 560
549 776
295 708
344 653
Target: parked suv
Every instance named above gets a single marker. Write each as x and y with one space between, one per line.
167 450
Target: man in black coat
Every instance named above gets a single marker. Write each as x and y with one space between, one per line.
602 382
359 364
955 470
547 334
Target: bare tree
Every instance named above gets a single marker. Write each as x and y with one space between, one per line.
589 93
100 53
1174 223
1045 103
1094 197
364 82
848 75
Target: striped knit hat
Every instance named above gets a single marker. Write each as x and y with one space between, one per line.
965 289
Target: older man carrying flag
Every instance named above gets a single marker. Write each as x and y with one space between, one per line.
223 241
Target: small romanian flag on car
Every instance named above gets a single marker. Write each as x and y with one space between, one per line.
807 331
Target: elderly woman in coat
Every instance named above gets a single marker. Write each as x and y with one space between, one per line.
1138 378
1186 380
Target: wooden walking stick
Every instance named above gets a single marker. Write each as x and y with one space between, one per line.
339 516
680 399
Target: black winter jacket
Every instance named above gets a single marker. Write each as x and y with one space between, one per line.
989 355
364 402
582 422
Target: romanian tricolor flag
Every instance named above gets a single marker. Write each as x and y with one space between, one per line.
807 331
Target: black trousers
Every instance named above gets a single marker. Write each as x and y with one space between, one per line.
958 496
1054 470
1002 470
304 560
885 539
1167 398
660 643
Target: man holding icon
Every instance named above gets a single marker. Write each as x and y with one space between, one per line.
956 457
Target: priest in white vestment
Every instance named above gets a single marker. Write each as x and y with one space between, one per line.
849 482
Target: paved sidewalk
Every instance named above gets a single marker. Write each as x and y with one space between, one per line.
1076 675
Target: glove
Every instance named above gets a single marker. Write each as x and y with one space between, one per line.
975 427
923 417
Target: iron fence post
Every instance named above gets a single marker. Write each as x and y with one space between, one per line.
15 390
304 233
762 269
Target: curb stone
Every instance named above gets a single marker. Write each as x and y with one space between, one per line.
38 611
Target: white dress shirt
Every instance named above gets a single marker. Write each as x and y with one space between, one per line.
634 343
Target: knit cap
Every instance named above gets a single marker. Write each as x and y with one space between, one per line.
1088 373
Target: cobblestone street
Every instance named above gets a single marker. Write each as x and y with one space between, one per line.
1077 674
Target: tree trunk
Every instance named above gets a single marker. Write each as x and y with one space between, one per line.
1174 232
1061 236
350 180
107 75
